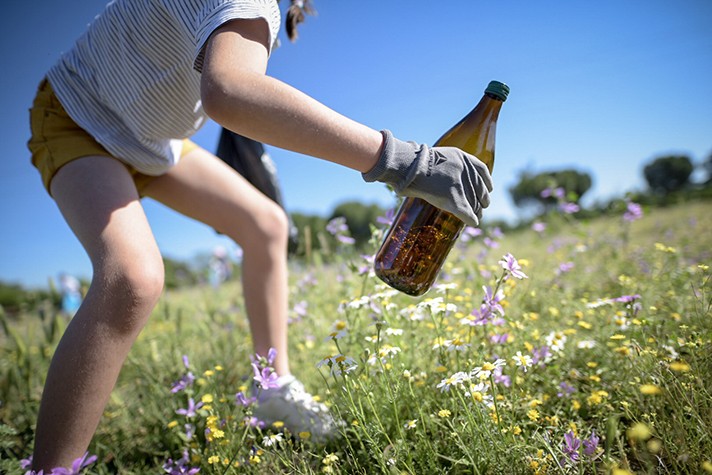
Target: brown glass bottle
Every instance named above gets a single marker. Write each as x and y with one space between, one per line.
421 236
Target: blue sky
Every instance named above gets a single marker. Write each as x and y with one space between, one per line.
602 86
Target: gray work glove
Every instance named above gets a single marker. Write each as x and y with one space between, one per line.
445 177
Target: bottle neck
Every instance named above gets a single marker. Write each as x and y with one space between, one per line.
489 107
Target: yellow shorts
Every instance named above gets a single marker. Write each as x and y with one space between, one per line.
57 139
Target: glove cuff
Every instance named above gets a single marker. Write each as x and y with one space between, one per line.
387 168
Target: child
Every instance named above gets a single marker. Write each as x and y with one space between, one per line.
109 126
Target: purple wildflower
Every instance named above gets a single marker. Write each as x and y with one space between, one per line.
388 218
491 243
571 446
185 362
569 208
370 259
190 411
189 431
566 389
266 378
482 316
539 226
497 233
185 382
566 266
180 466
261 361
500 378
337 225
540 355
470 233
26 463
499 339
509 263
493 301
76 467
633 213
345 239
241 399
591 444
254 422
627 298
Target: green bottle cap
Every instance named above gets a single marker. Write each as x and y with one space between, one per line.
498 89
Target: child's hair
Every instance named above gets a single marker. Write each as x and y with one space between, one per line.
295 16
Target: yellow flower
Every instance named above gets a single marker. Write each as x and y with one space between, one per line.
330 459
639 431
575 405
650 389
621 471
618 337
444 413
706 465
516 430
172 424
595 378
218 368
213 459
591 364
304 435
207 399
209 372
585 325
679 366
596 397
533 414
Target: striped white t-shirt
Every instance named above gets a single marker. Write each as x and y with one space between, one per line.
132 80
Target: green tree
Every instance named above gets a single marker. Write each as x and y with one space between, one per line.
707 165
178 274
308 229
528 190
668 173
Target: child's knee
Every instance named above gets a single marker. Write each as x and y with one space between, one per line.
272 227
131 290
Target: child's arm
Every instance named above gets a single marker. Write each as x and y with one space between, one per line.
238 94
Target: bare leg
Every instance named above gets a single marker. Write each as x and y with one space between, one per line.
99 201
202 187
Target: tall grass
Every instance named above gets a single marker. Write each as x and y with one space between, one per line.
599 362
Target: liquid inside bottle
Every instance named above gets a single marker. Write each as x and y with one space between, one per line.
421 237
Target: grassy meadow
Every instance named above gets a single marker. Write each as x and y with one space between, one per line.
598 362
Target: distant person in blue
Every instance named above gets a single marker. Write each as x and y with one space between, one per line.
71 290
219 267
110 125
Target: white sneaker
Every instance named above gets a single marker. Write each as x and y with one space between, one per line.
297 409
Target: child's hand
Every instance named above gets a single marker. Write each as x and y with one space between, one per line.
445 177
